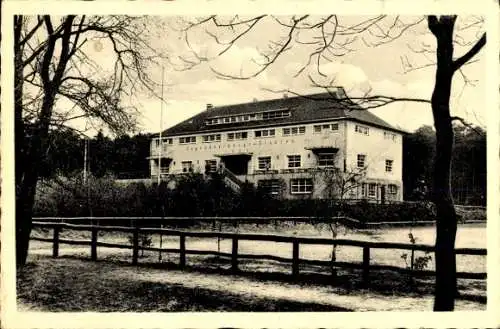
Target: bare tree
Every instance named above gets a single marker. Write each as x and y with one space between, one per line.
57 80
337 186
330 37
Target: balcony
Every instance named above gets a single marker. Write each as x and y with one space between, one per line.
163 171
323 142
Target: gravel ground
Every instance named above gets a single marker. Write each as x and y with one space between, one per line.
261 286
64 284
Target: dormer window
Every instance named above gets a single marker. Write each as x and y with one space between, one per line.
268 115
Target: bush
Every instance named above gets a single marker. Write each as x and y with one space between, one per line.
195 195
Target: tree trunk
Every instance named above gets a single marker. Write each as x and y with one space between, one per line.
446 222
27 172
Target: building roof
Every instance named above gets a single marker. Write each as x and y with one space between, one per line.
307 108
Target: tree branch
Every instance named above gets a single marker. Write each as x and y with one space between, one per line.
471 53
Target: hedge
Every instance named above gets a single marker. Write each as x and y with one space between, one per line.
196 196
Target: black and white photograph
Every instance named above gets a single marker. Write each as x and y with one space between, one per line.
248 161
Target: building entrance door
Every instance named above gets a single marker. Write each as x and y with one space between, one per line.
237 164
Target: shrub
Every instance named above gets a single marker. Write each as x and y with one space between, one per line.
195 195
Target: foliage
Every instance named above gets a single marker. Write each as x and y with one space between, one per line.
145 241
196 195
418 263
468 172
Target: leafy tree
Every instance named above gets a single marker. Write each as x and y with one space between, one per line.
468 171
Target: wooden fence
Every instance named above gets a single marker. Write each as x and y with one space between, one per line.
234 221
296 242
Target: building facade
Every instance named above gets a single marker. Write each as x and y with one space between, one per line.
312 146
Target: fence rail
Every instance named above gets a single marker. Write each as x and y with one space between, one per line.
180 220
296 242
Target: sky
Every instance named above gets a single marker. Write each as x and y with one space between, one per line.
380 69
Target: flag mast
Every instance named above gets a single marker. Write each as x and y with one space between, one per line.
161 129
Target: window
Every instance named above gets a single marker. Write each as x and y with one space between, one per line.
249 117
361 160
393 189
361 129
187 166
237 136
270 186
275 114
157 142
388 165
211 138
326 159
264 163
164 168
265 133
301 186
293 161
388 135
372 189
294 131
210 166
363 189
325 127
170 141
187 140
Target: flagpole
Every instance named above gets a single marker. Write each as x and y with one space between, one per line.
159 160
161 128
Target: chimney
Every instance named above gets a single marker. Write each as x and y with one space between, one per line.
285 95
209 106
255 100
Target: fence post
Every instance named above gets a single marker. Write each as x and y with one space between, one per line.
55 243
93 246
295 261
135 252
234 255
182 250
366 265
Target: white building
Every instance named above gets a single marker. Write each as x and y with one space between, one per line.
299 147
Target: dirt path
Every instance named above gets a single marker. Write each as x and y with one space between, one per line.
362 301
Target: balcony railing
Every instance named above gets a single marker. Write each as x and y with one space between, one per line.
265 172
165 151
296 170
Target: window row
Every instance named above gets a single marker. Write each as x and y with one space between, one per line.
361 163
366 131
326 127
239 135
370 189
249 117
306 186
297 186
211 138
210 166
294 161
